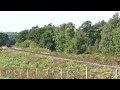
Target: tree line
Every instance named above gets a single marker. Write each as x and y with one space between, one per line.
7 38
101 37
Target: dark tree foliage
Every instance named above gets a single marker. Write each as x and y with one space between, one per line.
12 37
46 40
3 39
22 36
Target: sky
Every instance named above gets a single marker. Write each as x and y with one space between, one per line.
16 21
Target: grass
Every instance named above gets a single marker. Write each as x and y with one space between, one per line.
49 68
94 57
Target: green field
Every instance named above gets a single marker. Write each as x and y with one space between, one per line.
22 65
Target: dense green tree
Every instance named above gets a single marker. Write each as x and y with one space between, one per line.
46 40
79 42
4 39
107 38
63 37
69 35
59 37
22 36
35 34
97 29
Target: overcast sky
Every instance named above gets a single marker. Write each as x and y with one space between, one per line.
16 21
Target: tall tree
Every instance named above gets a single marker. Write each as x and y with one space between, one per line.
22 36
79 42
107 43
69 35
46 40
3 39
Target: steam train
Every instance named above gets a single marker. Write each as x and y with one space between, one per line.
8 44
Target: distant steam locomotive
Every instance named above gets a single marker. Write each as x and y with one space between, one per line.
8 43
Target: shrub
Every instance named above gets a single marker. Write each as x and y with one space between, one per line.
17 44
33 45
25 44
